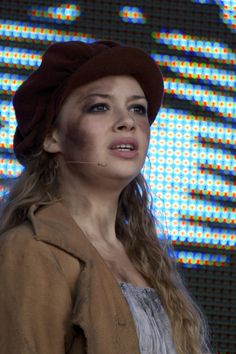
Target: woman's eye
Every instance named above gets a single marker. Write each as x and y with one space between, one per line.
139 109
99 107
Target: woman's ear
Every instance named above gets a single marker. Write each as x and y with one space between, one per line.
52 142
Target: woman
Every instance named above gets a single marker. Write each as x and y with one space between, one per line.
81 267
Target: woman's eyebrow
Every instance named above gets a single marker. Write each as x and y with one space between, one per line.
133 97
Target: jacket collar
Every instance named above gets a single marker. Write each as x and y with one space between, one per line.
51 222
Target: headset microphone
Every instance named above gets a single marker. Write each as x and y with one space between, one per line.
100 164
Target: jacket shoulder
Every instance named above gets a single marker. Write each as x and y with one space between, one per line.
19 243
20 246
20 234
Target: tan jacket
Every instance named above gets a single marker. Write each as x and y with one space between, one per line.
57 295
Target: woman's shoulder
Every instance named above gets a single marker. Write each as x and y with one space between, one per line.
20 249
19 235
18 246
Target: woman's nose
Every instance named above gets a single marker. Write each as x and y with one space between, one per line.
125 121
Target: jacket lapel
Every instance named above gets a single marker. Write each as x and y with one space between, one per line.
100 308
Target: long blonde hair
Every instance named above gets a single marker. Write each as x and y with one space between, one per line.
136 229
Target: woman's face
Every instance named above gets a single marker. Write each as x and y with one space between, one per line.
103 129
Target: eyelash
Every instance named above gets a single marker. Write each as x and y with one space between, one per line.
142 108
139 106
91 108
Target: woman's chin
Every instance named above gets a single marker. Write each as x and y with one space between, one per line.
124 174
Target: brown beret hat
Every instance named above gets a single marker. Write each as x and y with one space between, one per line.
66 66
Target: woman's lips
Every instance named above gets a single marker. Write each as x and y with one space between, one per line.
117 150
129 154
124 141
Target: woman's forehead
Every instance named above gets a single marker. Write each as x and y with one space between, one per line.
120 83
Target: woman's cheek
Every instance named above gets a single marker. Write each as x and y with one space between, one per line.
145 129
74 136
77 142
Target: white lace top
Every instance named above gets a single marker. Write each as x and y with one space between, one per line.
152 323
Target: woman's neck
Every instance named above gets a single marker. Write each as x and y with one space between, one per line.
93 209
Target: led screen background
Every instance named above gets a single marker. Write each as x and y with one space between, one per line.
191 160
